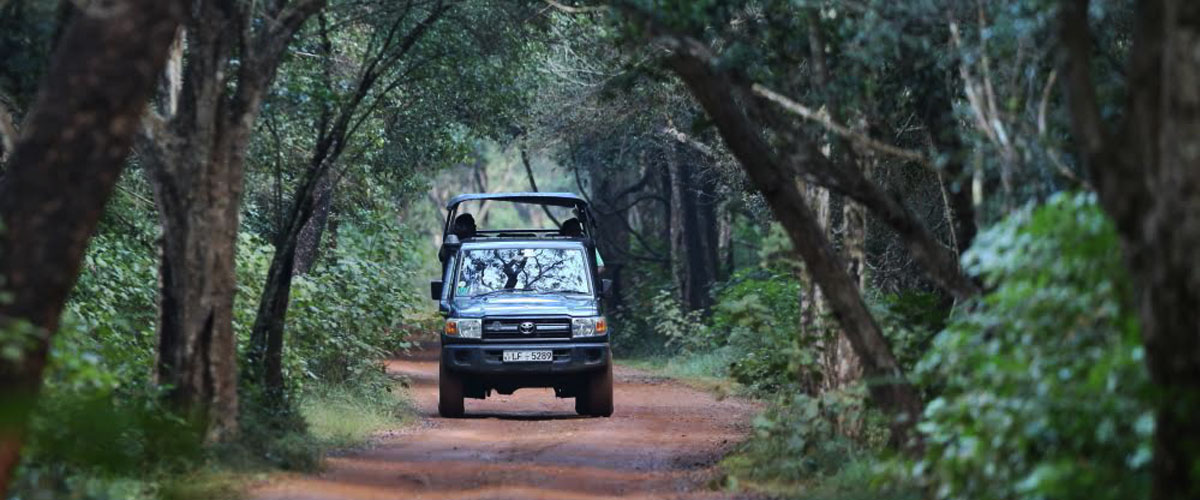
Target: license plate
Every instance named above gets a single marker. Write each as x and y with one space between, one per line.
527 356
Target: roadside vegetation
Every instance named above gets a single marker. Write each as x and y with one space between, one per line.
950 245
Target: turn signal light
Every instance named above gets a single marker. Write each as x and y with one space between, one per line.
451 328
601 326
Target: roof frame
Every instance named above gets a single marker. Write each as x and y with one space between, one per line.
569 200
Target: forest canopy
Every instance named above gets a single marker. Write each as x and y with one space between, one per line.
949 246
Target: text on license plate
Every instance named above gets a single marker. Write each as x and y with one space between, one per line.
524 356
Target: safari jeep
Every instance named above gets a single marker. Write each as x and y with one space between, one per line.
523 308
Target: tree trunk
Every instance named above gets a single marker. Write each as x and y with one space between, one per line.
847 367
709 227
1147 173
679 254
698 261
841 365
198 196
8 132
693 230
725 242
196 345
195 159
266 337
61 174
308 244
886 382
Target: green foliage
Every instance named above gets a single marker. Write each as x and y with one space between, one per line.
113 433
109 334
816 447
909 319
757 312
802 436
753 328
683 330
350 311
635 330
102 430
1042 384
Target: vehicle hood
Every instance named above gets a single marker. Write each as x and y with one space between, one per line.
525 304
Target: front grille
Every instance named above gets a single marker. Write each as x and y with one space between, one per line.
510 328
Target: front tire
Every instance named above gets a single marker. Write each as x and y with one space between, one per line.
596 396
450 393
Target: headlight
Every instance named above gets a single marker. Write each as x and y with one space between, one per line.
589 327
465 328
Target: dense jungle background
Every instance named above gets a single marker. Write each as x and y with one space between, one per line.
949 245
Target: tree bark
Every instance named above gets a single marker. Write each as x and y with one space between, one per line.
1147 174
308 244
708 226
61 174
678 228
698 261
716 94
841 365
693 230
195 158
725 242
8 132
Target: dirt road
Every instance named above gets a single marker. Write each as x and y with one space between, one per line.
661 442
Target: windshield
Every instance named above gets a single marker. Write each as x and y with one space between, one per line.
517 270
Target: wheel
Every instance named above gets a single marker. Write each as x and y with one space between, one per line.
450 393
596 396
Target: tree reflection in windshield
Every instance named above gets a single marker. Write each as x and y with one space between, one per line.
542 270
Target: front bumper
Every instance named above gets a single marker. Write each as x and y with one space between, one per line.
485 358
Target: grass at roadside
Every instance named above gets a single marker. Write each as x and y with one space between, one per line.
704 371
857 479
341 416
335 417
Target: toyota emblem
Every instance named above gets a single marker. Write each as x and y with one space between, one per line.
526 327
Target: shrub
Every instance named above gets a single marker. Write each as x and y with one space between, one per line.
101 430
1042 386
758 316
349 312
801 436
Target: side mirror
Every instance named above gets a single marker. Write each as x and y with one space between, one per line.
606 287
435 289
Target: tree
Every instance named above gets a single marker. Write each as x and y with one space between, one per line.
61 173
194 152
1146 169
390 42
716 94
741 110
693 249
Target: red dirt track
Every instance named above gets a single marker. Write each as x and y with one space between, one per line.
661 442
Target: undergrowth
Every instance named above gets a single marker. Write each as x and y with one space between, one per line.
1035 390
102 430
